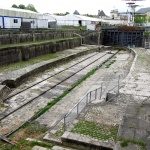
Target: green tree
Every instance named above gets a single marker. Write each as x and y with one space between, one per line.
67 13
140 19
21 6
14 6
148 19
31 7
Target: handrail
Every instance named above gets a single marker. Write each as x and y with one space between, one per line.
79 36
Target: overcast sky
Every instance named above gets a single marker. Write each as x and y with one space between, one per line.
83 6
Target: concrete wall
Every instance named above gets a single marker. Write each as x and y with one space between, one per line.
81 142
22 53
14 37
146 38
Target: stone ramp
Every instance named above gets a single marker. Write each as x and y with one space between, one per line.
14 78
53 148
135 127
4 90
40 148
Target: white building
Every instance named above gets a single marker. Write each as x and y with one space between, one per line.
75 20
11 18
15 12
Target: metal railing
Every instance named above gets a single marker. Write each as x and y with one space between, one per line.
76 110
65 121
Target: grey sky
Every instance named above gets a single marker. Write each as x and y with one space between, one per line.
83 6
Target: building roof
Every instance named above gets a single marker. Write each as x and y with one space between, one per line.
74 17
18 10
57 17
49 17
143 10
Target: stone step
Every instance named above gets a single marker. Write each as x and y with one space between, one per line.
60 148
39 148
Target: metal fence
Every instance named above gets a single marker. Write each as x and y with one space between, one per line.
65 121
76 110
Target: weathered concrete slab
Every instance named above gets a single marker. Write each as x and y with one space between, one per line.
4 91
82 142
49 138
39 148
136 125
60 148
129 147
16 77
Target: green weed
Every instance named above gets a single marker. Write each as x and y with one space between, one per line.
95 130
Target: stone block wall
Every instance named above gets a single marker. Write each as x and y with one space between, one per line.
14 37
146 38
23 53
10 55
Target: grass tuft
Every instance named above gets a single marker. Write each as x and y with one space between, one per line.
125 142
110 63
32 61
95 130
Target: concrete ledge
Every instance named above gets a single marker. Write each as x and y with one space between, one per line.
18 76
48 138
133 63
4 90
24 52
39 148
60 148
82 142
135 126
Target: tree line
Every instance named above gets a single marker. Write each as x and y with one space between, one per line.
28 7
141 18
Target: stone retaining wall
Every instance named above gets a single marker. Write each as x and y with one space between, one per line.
18 76
14 37
146 38
4 90
23 53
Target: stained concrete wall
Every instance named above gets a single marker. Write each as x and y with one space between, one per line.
22 53
14 37
146 38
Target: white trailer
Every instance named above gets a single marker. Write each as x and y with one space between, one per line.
91 27
42 23
12 22
36 23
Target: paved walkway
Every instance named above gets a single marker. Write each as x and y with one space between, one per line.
136 121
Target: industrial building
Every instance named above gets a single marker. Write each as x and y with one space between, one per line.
12 18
